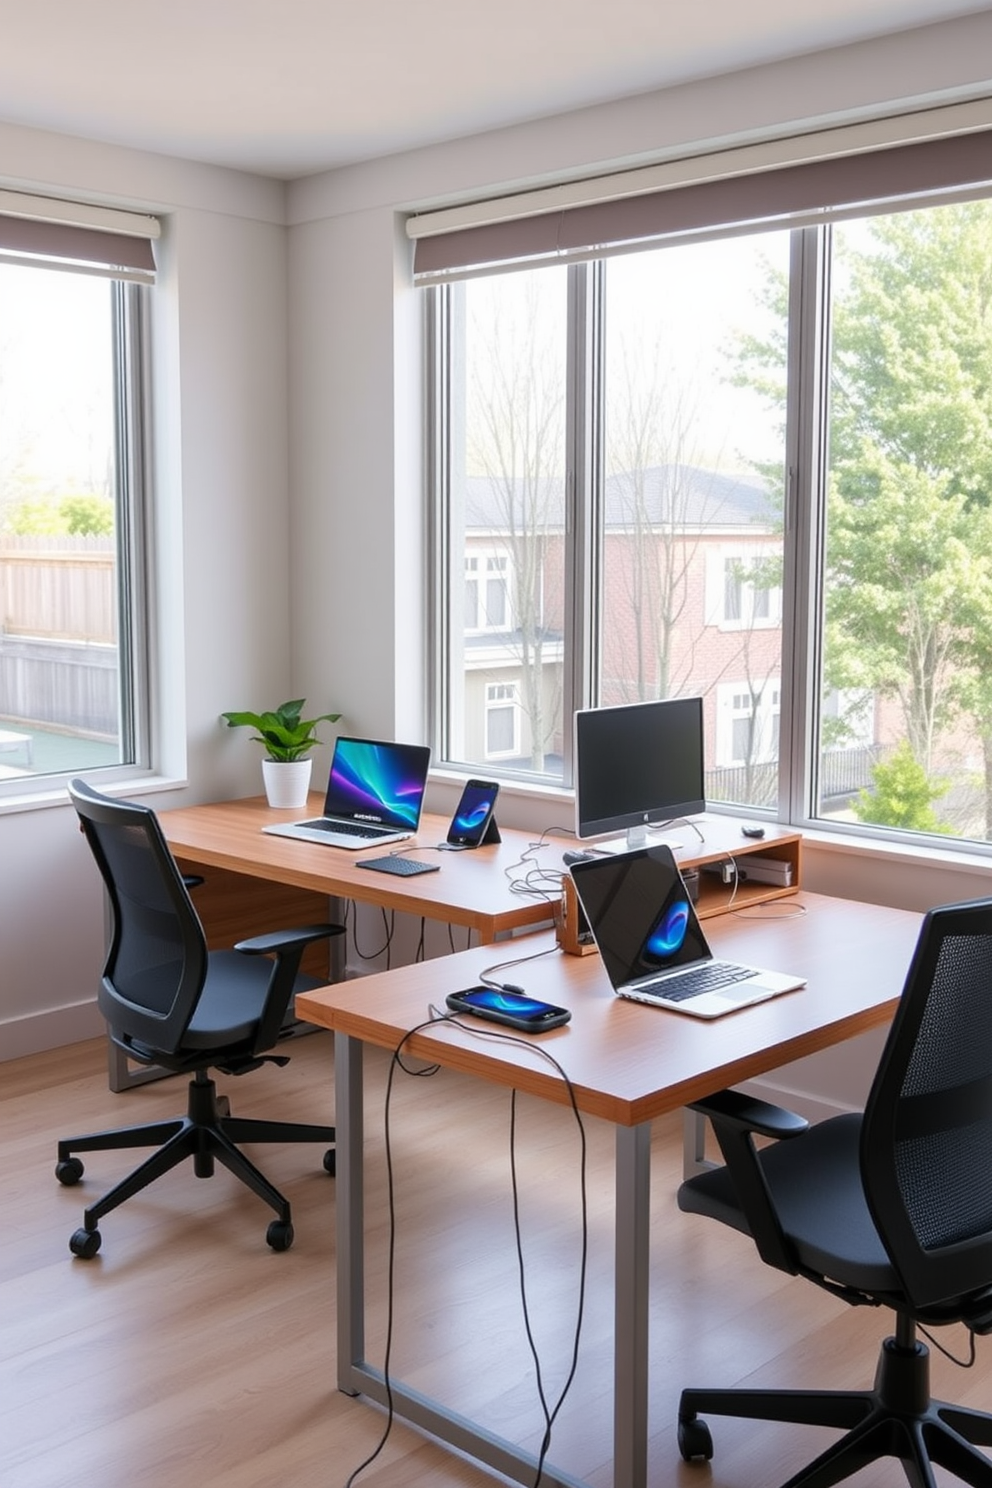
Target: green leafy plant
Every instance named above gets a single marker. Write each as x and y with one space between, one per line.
285 735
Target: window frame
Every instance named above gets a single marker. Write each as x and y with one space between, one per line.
798 605
129 333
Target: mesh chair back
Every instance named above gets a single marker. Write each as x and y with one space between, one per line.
926 1153
157 961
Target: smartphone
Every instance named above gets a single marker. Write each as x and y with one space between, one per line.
512 1008
473 822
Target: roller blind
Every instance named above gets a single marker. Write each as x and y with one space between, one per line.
99 240
735 189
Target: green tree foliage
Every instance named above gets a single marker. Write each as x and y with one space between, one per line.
81 515
908 576
902 795
909 598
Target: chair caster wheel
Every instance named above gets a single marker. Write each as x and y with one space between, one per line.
694 1439
69 1171
279 1235
85 1244
330 1161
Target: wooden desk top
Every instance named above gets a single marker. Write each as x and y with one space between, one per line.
629 1063
472 888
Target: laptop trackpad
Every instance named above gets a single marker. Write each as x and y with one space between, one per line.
744 992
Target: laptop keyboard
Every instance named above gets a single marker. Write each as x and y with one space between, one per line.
709 978
347 829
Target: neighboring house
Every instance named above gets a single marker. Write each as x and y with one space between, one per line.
692 603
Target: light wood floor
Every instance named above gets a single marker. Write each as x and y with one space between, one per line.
189 1353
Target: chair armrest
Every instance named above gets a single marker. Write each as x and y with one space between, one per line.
744 1113
287 946
736 1118
286 940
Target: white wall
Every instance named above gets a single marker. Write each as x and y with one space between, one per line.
221 543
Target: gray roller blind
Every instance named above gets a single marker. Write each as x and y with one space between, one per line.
865 179
98 240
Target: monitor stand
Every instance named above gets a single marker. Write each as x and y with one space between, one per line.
639 836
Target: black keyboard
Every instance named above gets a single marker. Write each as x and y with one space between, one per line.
403 867
707 978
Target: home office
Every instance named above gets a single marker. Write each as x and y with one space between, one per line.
225 431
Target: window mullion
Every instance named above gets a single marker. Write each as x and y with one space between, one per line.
583 504
804 517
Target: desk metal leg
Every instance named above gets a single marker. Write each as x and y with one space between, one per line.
631 1280
349 1186
355 1375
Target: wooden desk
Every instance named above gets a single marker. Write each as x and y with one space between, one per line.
628 1064
472 889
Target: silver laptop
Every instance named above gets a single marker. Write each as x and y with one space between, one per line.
375 793
651 941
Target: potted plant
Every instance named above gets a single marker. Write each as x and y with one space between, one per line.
288 738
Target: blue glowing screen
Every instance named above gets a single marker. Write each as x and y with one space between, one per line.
667 936
378 782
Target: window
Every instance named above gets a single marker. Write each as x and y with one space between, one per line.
504 521
487 594
72 662
756 467
502 720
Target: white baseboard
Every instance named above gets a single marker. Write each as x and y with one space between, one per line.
37 1032
814 1108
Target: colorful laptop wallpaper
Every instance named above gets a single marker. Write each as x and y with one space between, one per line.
378 782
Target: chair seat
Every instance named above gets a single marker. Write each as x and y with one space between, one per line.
816 1190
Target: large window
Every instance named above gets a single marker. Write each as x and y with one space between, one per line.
756 468
72 663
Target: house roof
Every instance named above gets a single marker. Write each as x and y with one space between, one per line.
663 496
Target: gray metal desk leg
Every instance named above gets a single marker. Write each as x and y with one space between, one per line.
630 1363
350 1207
356 1376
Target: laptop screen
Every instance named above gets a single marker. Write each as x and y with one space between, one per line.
639 913
378 782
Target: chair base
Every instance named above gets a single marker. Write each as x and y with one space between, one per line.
207 1133
895 1419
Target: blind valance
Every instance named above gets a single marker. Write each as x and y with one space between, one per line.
735 194
100 240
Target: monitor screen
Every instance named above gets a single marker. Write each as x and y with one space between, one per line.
637 765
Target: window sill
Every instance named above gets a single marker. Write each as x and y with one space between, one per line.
54 793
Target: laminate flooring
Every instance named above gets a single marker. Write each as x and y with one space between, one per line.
189 1353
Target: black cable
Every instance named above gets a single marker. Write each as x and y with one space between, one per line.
961 1363
486 976
396 1061
388 926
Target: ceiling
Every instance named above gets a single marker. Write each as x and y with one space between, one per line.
289 87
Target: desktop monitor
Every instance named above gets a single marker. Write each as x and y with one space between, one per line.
638 765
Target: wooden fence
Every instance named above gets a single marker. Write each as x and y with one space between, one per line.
59 588
58 631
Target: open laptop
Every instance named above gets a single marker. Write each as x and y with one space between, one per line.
375 794
651 941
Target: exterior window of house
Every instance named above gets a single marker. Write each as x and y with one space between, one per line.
502 720
754 467
72 663
487 593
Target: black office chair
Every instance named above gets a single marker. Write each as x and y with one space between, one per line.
170 1002
892 1208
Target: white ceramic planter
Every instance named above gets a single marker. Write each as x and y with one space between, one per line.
287 782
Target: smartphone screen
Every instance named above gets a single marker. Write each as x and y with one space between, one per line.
495 1001
514 1008
472 814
